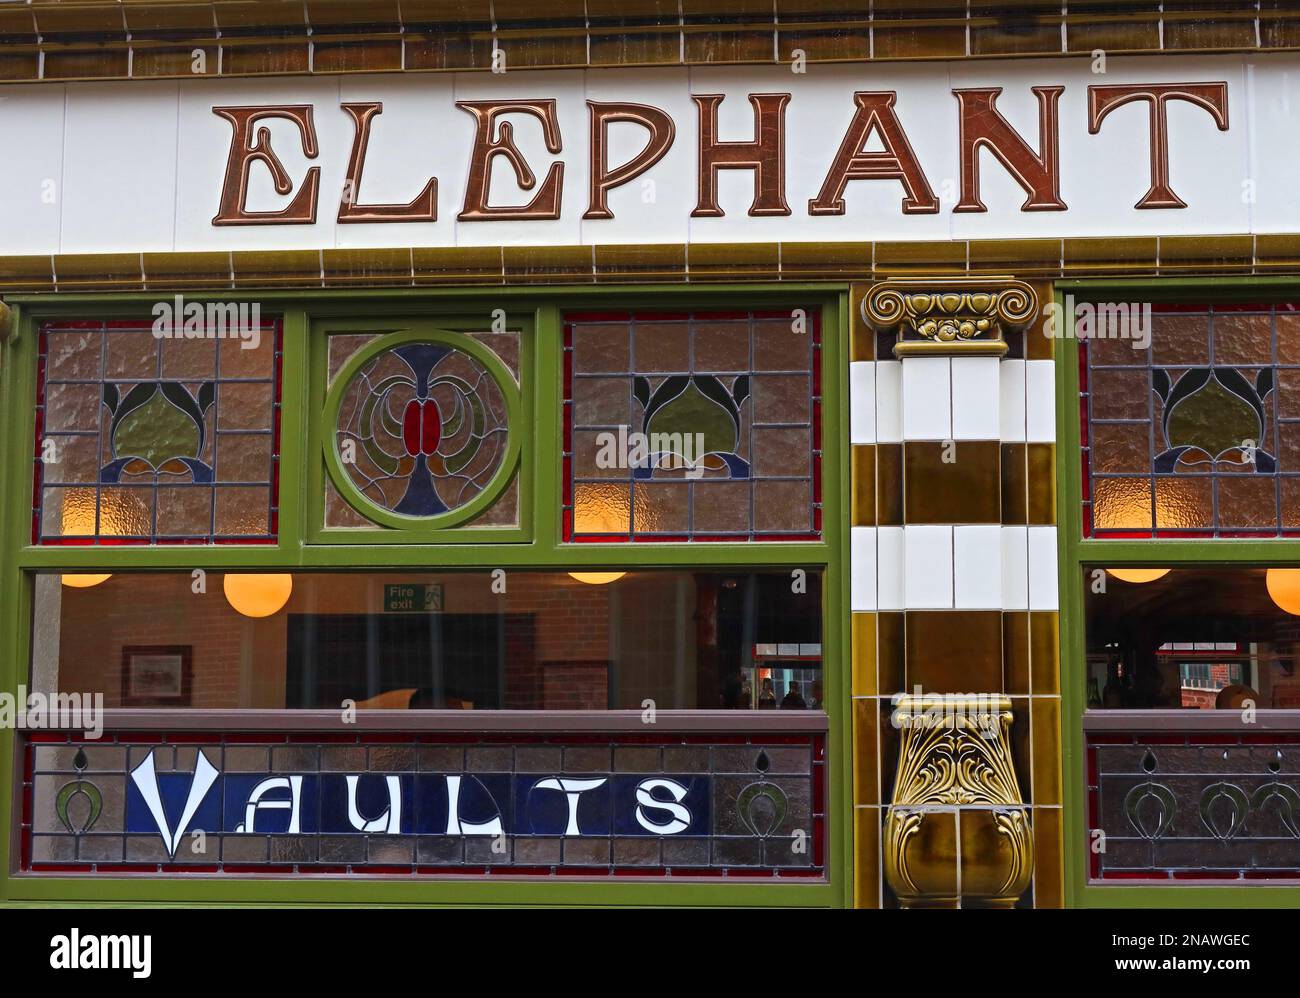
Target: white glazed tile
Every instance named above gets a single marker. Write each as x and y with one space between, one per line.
862 568
862 402
975 398
1011 401
928 567
976 556
890 568
1042 569
927 398
31 173
889 401
1040 401
119 177
1015 568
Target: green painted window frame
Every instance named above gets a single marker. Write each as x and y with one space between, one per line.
1074 552
296 548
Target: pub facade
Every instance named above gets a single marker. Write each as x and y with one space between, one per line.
704 453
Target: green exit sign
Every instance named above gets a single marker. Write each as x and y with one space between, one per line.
413 598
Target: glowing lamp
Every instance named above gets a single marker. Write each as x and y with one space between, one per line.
597 578
83 581
1138 575
1284 588
258 595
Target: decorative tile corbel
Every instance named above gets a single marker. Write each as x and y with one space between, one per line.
950 315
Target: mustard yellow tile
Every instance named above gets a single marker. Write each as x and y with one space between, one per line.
866 857
864 654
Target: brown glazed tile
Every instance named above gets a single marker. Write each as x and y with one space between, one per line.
1279 24
1015 491
284 14
828 44
276 267
864 654
18 25
366 266
1041 484
324 15
727 30
866 857
437 49
1018 27
891 661
1113 26
863 487
18 65
86 64
195 269
1016 651
80 20
862 337
825 260
964 489
1044 652
901 259
143 20
549 264
1039 343
954 651
1277 252
889 745
27 273
1196 254
170 61
1046 715
616 263
98 270
357 56
458 265
1022 257
866 778
239 58
889 485
634 33
733 261
1049 874
1208 26
1020 747
1102 254
903 30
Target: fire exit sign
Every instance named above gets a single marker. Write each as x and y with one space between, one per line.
413 598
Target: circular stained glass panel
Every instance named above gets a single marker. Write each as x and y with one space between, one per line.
422 429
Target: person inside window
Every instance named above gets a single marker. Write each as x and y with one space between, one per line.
793 699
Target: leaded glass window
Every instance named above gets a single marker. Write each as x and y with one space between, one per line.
1196 433
420 429
692 427
150 439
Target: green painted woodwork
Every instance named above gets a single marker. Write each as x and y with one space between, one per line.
1074 552
535 543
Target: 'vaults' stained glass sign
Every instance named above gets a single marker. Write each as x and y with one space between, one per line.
520 805
1193 429
143 438
692 427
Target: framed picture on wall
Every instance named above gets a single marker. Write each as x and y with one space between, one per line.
156 675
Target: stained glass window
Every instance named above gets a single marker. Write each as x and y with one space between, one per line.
1195 433
422 429
149 439
694 426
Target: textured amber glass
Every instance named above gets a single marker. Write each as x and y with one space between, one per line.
699 426
158 433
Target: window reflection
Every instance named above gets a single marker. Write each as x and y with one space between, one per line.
447 640
1191 638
